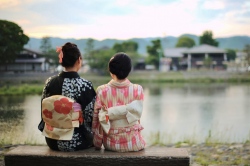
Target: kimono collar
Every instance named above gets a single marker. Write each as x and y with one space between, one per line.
69 74
117 84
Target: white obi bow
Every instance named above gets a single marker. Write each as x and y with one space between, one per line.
120 116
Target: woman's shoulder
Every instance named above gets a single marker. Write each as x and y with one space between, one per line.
101 87
50 79
137 86
85 80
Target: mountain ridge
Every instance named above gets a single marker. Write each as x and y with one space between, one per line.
232 42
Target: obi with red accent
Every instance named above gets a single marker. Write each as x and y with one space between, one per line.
61 115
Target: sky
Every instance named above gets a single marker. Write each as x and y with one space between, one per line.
125 19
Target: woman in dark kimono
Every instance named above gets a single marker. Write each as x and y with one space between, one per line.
68 83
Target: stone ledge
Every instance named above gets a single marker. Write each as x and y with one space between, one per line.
42 155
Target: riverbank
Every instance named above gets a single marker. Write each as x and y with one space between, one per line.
205 76
201 154
237 154
32 83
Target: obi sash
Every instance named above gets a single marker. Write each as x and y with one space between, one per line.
121 116
61 115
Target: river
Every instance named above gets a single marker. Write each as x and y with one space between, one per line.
172 113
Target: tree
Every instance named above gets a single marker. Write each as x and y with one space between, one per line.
154 52
45 45
128 46
89 48
231 54
207 62
247 50
99 59
48 51
185 41
53 55
89 54
207 38
12 40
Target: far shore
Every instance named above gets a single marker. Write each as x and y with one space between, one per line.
33 82
197 76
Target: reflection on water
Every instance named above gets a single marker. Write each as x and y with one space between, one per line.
179 113
191 112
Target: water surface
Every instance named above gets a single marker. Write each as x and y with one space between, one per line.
172 113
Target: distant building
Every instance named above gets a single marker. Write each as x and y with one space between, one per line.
241 61
140 64
175 54
197 57
27 60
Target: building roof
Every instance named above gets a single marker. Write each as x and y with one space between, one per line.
204 48
34 60
32 51
174 52
241 54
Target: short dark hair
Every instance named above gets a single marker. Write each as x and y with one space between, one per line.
120 65
70 54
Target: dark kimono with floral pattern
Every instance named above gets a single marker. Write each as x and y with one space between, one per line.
71 85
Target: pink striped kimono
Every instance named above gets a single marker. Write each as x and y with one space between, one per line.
122 136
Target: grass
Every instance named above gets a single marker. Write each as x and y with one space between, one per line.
208 153
23 89
34 84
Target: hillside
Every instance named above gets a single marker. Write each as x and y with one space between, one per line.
234 42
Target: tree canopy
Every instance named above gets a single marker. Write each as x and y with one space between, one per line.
185 41
127 46
98 58
45 46
207 38
48 51
12 40
231 54
154 52
89 48
247 50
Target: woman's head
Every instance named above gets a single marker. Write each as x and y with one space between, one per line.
120 65
70 54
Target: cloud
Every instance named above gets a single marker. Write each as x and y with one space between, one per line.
126 19
214 5
8 3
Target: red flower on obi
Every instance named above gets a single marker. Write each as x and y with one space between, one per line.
63 106
47 113
49 127
80 118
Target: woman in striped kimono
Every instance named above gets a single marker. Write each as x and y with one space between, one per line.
118 108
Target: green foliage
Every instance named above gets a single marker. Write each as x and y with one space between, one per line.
98 60
207 62
231 54
154 53
185 41
130 48
12 40
247 50
53 55
48 51
21 90
45 45
207 38
89 48
127 46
